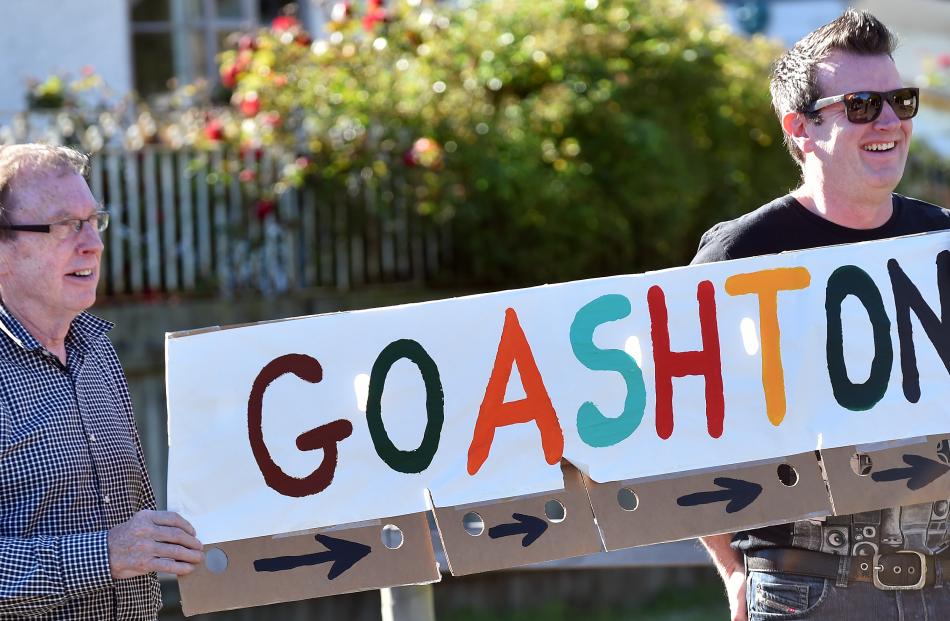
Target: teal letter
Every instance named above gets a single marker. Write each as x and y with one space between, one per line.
594 428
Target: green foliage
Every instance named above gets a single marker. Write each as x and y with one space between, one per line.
566 138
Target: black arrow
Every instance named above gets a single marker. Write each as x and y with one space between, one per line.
528 525
739 493
342 553
920 472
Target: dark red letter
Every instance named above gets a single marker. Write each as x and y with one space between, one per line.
323 437
668 364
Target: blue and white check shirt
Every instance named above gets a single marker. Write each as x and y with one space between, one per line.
71 468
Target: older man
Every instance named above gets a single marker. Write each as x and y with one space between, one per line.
79 536
846 115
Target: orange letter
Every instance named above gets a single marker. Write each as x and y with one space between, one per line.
536 405
766 284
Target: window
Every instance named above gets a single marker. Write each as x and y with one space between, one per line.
180 38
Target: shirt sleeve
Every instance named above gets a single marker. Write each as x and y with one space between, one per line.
40 573
711 247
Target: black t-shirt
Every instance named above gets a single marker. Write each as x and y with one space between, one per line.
785 224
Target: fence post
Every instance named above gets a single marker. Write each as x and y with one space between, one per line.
413 602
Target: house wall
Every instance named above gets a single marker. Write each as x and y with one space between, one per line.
41 37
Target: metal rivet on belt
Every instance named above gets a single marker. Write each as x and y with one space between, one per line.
911 570
897 569
864 566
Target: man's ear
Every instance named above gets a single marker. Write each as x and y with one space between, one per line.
795 125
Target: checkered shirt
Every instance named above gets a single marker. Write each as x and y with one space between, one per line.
71 467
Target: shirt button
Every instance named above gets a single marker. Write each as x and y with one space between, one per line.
105 499
92 438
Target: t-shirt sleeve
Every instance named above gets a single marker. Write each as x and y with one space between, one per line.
712 247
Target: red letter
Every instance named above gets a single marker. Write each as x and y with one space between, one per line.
670 364
536 405
323 437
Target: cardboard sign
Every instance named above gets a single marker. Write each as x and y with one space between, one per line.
670 380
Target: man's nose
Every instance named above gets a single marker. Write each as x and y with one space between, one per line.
89 239
888 118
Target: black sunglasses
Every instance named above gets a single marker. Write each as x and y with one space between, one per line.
865 106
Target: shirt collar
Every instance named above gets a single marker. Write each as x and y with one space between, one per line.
83 332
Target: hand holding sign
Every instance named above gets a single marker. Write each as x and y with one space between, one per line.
153 541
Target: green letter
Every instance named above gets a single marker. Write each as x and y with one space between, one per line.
852 280
418 459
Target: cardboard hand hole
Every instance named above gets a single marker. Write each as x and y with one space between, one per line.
787 475
392 537
627 499
555 511
216 560
473 524
861 464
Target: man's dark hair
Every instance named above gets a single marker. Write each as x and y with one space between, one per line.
794 83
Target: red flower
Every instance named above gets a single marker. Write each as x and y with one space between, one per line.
283 23
375 14
247 42
229 75
247 175
214 130
944 61
264 208
250 104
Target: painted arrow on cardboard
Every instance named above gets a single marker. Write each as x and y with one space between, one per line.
342 553
528 525
739 493
920 472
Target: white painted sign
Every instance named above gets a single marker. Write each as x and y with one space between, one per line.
340 418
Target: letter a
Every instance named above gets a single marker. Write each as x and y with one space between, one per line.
495 412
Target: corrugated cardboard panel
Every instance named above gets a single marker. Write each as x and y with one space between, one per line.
638 512
520 531
865 478
329 561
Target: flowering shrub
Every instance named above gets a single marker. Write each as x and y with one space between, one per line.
563 139
567 138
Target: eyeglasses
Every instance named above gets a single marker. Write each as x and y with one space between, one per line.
865 106
63 229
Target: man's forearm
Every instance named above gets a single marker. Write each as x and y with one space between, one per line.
42 572
724 557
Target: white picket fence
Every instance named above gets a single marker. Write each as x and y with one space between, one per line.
179 226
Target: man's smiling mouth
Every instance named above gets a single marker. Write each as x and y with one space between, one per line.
879 146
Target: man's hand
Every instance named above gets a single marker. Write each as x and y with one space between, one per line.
153 541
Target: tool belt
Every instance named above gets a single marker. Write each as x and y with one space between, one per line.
901 570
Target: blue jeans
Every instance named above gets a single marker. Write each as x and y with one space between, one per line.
787 597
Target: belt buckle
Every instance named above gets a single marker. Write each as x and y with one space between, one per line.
897 568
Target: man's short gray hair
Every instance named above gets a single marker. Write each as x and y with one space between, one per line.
21 161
